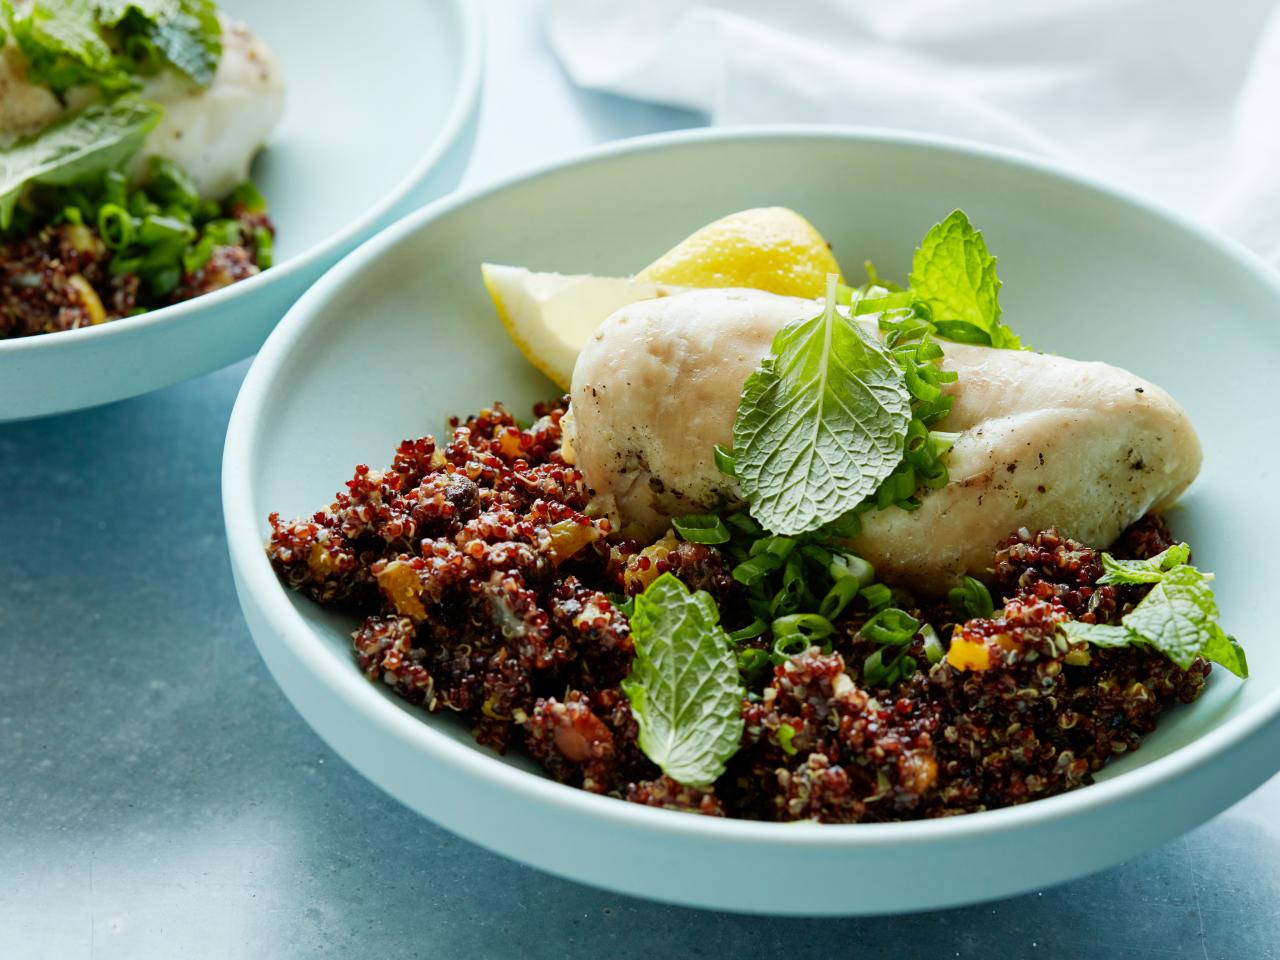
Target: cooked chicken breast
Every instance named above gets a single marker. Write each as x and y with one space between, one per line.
1045 441
653 391
213 132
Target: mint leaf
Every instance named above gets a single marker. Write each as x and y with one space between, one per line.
63 44
191 38
684 686
73 42
1099 634
822 421
1131 572
955 275
1179 618
101 138
187 32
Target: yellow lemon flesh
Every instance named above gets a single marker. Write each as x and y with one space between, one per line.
550 315
767 248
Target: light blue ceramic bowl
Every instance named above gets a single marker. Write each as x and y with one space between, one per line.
401 334
379 119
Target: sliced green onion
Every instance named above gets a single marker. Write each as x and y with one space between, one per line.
701 528
819 557
841 594
742 522
847 527
165 280
124 265
932 645
157 229
173 186
873 670
247 195
779 547
891 627
140 206
809 625
787 733
265 245
198 256
789 645
971 601
73 215
850 566
754 569
753 661
725 462
936 475
115 188
224 233
115 226
752 630
877 595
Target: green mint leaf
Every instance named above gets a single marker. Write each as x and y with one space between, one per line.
821 423
63 43
1132 572
187 32
73 42
84 146
955 275
685 689
1179 617
191 39
1099 634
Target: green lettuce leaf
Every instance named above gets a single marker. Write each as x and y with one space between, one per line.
84 146
1178 617
955 275
1132 572
821 423
684 686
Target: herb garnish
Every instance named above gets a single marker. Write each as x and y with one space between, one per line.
955 276
111 43
1178 617
684 687
821 423
81 148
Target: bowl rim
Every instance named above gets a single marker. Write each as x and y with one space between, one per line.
470 77
258 584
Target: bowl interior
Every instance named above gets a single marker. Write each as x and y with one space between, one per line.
389 350
368 92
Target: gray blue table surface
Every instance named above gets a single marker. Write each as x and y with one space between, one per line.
159 798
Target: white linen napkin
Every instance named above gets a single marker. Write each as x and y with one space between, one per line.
1176 99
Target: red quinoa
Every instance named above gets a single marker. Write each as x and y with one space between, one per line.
486 589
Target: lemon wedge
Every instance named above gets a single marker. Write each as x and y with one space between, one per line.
551 315
766 248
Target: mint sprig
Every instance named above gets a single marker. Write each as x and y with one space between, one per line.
1178 617
684 686
84 146
1135 572
821 423
109 43
955 275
